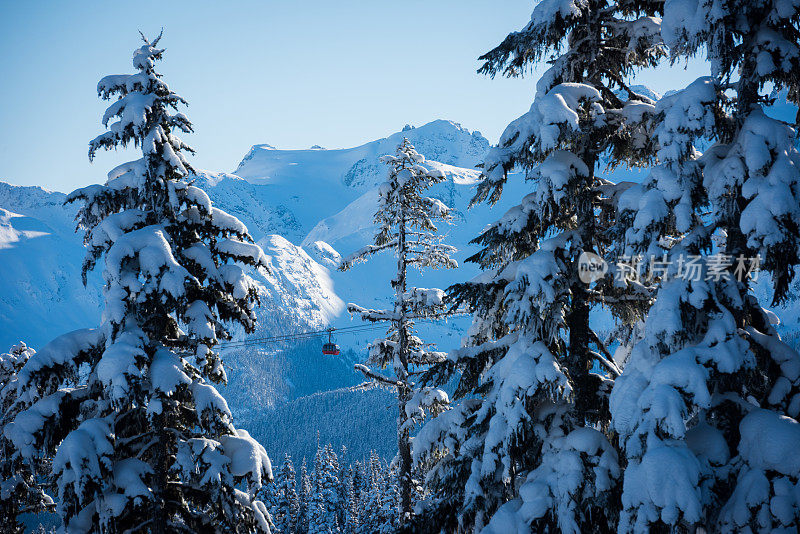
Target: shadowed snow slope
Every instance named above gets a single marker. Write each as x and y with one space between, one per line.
41 294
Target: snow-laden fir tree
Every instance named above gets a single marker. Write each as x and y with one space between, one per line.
20 476
141 439
287 508
269 496
355 487
378 503
406 223
304 496
386 518
324 507
662 219
343 475
528 446
707 409
370 502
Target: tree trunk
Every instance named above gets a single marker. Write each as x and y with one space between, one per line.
404 450
579 361
159 517
736 241
401 369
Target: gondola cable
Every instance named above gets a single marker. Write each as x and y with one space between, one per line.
299 336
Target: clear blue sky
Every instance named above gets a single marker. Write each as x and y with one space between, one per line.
288 73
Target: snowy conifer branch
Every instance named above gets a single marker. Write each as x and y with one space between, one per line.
362 254
372 315
379 378
21 489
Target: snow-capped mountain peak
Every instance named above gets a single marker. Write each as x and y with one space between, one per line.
440 140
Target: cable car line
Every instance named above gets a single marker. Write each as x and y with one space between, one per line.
299 336
313 333
332 348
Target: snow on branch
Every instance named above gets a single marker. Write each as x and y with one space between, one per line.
445 432
67 351
426 357
553 117
249 253
248 458
373 315
377 377
426 400
362 254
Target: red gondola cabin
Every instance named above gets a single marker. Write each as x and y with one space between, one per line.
330 348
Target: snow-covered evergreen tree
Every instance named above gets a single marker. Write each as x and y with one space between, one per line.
343 474
269 496
385 517
376 513
407 227
141 439
707 407
287 509
304 497
528 447
20 491
324 506
355 487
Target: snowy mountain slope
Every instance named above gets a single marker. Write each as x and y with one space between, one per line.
298 296
255 206
355 219
306 286
41 294
12 230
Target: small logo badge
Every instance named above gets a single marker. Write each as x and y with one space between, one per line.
591 267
